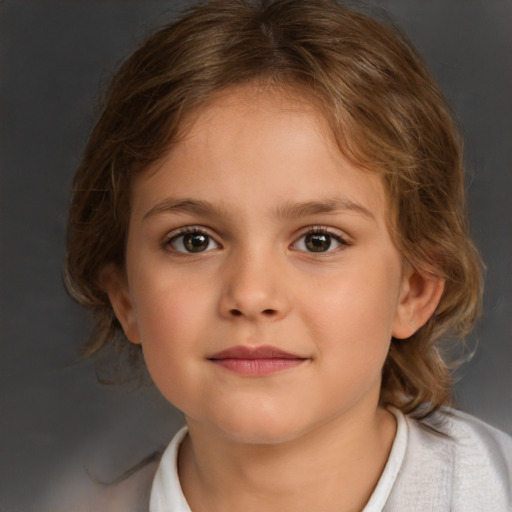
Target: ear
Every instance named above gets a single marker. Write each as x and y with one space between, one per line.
113 280
419 297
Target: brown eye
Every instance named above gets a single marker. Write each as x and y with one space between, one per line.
192 242
317 242
195 242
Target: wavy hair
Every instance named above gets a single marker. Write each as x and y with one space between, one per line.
386 113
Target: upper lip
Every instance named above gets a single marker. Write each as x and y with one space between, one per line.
261 352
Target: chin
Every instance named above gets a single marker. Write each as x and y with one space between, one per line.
263 430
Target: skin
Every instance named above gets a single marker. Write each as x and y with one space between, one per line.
255 175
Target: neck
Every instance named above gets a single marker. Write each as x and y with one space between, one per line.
334 467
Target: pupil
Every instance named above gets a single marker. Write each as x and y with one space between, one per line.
195 242
317 242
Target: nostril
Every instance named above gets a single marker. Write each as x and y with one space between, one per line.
265 312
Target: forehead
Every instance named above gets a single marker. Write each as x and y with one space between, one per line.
251 138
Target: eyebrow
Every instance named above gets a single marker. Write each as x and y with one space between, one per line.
333 205
288 210
186 205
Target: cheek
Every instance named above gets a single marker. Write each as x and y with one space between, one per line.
355 312
173 310
171 328
167 304
357 300
352 331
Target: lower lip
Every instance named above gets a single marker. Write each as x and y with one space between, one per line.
258 367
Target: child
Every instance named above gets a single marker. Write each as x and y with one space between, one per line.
271 210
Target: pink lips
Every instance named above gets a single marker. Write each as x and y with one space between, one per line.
256 361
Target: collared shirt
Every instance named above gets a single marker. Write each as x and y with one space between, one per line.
467 469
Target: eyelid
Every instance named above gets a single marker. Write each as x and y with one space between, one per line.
184 230
191 228
341 238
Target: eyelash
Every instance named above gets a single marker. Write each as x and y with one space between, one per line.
320 230
179 237
174 237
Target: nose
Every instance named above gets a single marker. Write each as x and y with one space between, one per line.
254 289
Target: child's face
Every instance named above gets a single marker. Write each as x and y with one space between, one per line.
255 231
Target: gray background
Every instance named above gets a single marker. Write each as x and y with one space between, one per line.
55 57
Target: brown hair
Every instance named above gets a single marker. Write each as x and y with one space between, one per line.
386 113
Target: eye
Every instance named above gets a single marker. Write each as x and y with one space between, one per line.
319 240
192 242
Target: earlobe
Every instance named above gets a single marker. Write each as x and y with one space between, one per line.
418 300
114 283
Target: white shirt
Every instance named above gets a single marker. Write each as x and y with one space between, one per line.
467 470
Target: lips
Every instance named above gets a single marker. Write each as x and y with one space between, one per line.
256 361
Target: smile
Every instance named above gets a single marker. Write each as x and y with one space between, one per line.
257 361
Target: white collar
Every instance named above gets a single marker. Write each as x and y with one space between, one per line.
167 495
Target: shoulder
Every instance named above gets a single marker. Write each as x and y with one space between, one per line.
457 462
473 439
